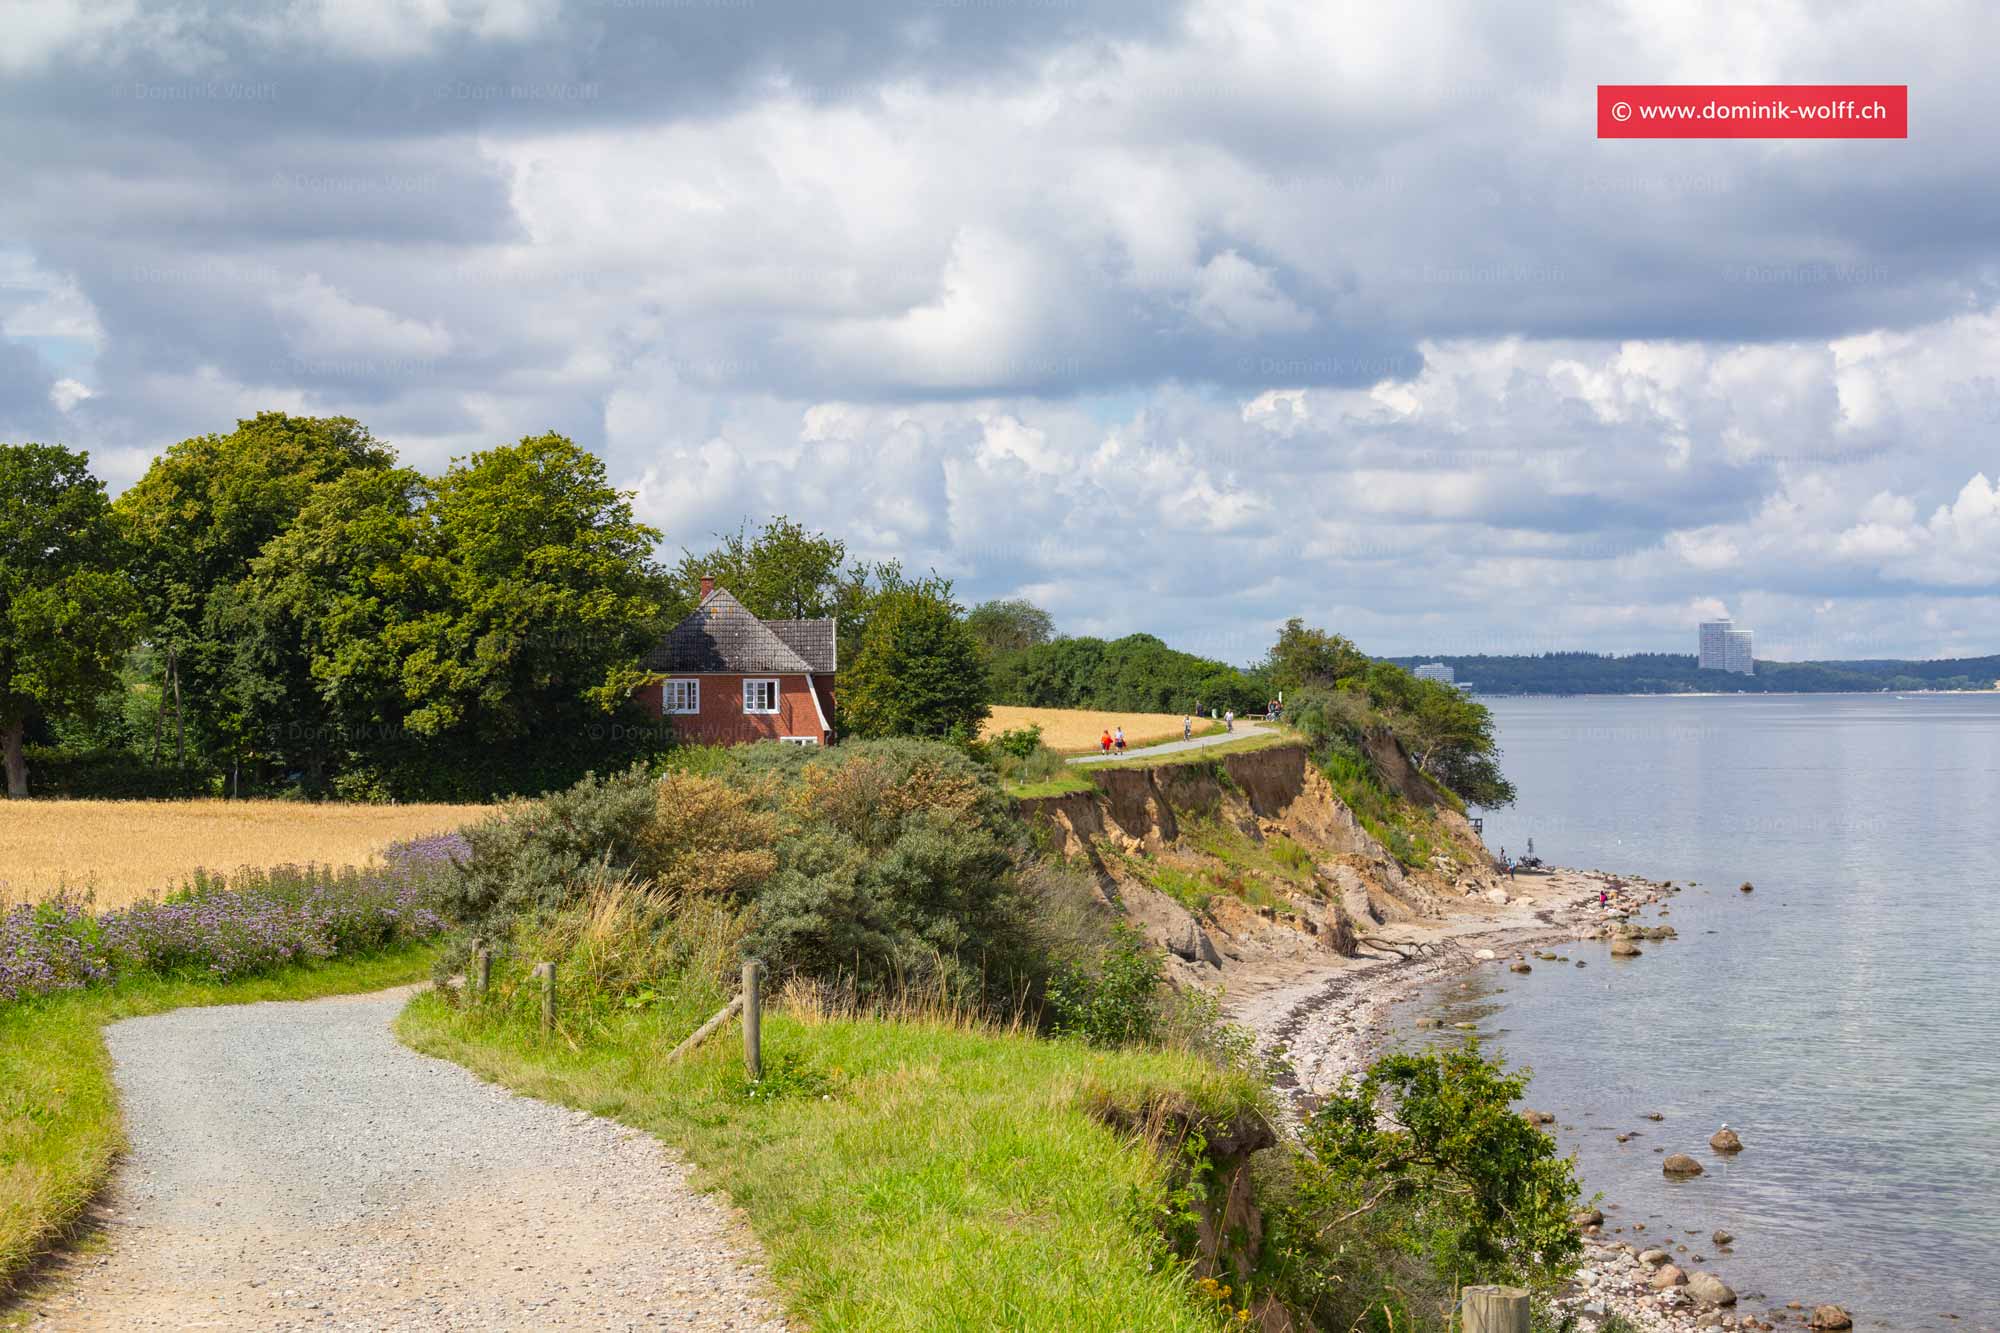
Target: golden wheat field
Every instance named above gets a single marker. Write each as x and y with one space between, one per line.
123 851
1080 728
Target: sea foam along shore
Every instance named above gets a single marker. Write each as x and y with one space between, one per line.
1335 1025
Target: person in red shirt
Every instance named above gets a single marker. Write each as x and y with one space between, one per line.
1106 741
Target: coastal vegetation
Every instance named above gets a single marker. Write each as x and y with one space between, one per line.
930 961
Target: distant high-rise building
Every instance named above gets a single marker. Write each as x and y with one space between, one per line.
1437 671
1736 652
1723 647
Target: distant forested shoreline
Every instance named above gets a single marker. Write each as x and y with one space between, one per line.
1676 673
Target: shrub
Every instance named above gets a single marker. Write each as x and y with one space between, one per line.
1426 1165
543 855
888 862
706 837
1117 1002
1020 742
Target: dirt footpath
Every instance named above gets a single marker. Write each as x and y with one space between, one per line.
293 1166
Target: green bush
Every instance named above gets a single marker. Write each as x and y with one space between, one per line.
1419 1179
1020 742
539 856
1115 1004
881 863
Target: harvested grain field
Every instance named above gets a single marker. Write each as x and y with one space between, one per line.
1078 729
123 851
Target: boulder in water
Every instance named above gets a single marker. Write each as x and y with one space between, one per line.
1680 1164
1721 1237
1622 947
1725 1140
1710 1290
1831 1316
1748 886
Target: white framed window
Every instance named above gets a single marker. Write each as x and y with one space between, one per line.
681 696
798 740
760 696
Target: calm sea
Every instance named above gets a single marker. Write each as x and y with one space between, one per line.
1844 1018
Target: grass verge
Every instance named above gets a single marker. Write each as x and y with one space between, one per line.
60 1132
902 1175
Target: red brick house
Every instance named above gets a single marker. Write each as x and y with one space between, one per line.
728 678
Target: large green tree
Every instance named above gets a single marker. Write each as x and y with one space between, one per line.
472 634
1009 625
785 572
1305 656
67 614
195 521
918 672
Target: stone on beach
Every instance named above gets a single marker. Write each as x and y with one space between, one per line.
1680 1164
1665 1276
1653 1258
1831 1316
1711 1290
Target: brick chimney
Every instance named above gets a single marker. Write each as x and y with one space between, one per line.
707 585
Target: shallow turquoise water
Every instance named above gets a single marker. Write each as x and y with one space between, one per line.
1844 1018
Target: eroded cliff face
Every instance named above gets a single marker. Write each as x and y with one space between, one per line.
1214 822
1144 808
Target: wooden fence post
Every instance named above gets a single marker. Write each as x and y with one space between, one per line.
1495 1309
547 972
482 969
753 1019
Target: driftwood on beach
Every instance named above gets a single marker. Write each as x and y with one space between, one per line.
1407 949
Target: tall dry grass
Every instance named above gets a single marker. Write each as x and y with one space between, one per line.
1080 728
123 851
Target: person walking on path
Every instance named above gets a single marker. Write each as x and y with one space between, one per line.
1229 720
1187 727
1118 740
1105 741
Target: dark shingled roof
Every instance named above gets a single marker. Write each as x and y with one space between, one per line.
813 640
722 636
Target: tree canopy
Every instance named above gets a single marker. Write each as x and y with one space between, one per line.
67 613
1009 626
918 672
499 609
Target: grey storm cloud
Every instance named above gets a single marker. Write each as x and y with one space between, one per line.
1179 317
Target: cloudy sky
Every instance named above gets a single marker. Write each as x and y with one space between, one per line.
1176 317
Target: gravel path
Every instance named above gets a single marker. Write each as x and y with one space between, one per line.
293 1166
1243 729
